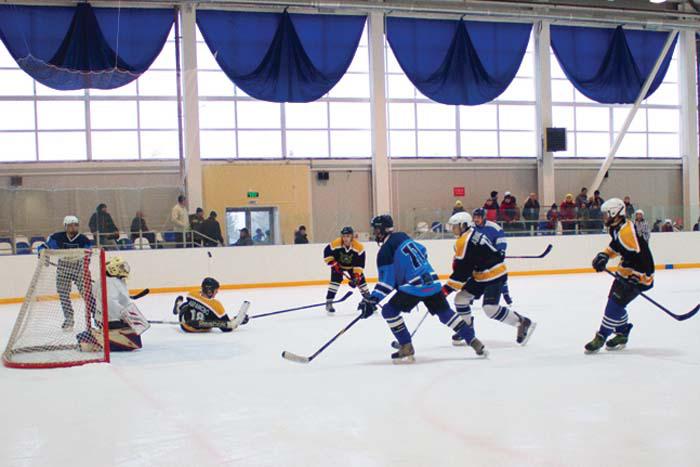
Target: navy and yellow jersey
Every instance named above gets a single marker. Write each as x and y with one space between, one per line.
61 241
198 308
351 259
634 250
403 264
475 258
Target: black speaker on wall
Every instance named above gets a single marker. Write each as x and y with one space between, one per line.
555 140
322 176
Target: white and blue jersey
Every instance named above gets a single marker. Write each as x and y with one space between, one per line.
403 264
495 234
61 241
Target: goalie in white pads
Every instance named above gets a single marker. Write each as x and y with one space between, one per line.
202 312
126 323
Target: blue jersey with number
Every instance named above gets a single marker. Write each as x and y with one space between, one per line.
495 234
403 264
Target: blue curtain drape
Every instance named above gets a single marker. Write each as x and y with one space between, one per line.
610 65
282 57
83 47
458 62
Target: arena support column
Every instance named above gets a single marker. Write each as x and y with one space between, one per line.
689 128
193 164
543 92
381 164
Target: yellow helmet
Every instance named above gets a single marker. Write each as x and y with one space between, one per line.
117 267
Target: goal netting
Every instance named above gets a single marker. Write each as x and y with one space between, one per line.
58 325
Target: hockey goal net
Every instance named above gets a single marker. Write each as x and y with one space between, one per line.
59 324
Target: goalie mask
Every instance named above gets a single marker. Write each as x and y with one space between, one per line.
117 267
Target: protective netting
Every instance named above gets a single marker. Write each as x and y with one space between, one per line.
58 324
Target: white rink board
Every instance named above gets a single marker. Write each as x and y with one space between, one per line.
298 263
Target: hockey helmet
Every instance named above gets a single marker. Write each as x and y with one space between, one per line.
383 225
117 267
68 220
479 212
210 286
462 219
347 231
613 207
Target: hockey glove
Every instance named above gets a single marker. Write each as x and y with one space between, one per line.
335 267
600 261
446 290
355 280
367 307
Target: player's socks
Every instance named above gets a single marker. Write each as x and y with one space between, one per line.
620 340
68 323
596 344
405 354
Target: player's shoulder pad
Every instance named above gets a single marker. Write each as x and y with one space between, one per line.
493 225
462 243
337 243
211 303
628 237
357 246
388 249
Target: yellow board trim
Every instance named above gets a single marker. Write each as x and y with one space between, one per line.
269 285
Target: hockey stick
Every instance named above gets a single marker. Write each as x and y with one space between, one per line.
299 359
345 297
683 317
141 294
234 323
396 345
542 255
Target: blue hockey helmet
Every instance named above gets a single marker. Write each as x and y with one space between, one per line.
479 212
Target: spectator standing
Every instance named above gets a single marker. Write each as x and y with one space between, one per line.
582 213
641 224
567 214
595 214
244 239
178 217
140 229
196 226
696 227
629 208
491 208
509 214
459 207
552 218
103 228
259 236
211 228
667 226
494 197
531 210
300 236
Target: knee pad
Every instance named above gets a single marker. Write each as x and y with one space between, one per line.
491 310
463 298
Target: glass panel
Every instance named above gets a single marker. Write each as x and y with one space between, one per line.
360 62
311 115
158 83
664 120
127 90
392 65
399 87
6 60
350 115
166 58
351 144
402 116
261 226
516 117
16 115
520 89
214 83
115 145
437 144
42 90
592 119
260 144
217 114
518 144
666 94
562 91
205 59
235 221
257 114
633 145
402 143
351 85
639 123
17 147
159 145
61 115
436 116
480 117
563 117
479 143
15 83
307 143
156 115
217 144
664 145
62 146
592 144
113 115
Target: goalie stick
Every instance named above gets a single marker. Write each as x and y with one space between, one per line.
141 294
299 359
682 317
541 255
342 299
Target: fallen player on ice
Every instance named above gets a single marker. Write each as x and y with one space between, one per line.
201 311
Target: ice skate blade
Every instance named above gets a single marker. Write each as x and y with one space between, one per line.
591 352
616 348
533 325
330 313
460 343
403 360
484 354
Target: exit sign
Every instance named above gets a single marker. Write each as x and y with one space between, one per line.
253 194
458 191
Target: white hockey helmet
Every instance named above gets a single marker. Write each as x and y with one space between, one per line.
117 267
462 219
68 220
613 207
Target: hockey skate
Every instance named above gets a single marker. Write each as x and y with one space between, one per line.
458 341
478 347
68 323
620 340
596 344
525 330
404 355
330 311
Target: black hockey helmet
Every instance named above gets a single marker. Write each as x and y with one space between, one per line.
479 212
210 285
382 225
347 230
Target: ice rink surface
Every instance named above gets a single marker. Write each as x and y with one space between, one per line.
230 399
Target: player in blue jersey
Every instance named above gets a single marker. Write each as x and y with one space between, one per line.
495 234
403 266
68 271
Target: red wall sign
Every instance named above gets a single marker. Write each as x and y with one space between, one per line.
458 191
